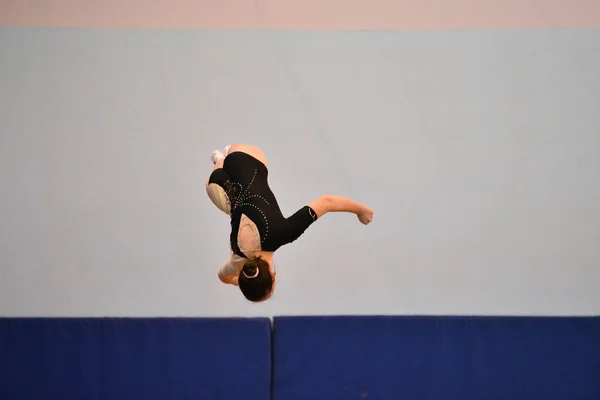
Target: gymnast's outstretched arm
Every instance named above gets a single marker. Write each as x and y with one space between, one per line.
331 203
296 224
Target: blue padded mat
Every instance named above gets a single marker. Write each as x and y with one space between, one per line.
430 358
130 359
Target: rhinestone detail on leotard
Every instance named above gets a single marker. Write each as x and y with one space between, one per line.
240 200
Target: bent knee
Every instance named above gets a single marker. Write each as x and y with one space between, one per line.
250 150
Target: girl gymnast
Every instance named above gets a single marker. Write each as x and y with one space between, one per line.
238 186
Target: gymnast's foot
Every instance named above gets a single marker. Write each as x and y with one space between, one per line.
226 150
217 156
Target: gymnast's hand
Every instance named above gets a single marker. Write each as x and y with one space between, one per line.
365 215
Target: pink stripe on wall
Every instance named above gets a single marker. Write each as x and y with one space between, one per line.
302 14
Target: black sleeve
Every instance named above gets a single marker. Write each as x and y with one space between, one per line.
296 224
220 177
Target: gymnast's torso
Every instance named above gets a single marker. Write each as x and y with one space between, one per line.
257 223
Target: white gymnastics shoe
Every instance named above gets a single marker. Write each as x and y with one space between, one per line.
226 150
216 156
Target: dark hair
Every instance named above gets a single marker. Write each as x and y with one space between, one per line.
255 288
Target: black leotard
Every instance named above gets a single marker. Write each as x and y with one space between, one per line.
244 180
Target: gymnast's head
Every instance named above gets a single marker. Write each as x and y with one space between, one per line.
256 280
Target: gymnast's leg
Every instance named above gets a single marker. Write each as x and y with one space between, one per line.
217 158
215 188
250 150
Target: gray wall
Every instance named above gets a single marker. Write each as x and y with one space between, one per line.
479 152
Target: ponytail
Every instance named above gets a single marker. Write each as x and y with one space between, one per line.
255 280
250 270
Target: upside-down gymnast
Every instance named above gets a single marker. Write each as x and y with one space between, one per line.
238 186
